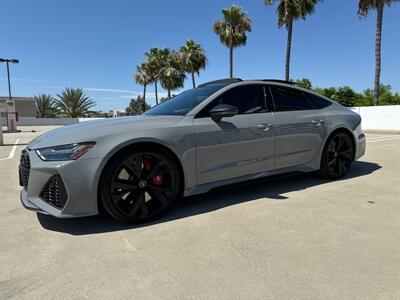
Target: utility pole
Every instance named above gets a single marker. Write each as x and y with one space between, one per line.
1 130
10 106
1 135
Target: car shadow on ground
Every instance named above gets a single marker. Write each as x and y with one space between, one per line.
272 189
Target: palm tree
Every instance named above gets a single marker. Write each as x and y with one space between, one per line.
153 62
73 102
232 30
171 73
289 11
45 106
194 58
364 7
142 77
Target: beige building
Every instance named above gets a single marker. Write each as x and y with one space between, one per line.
24 106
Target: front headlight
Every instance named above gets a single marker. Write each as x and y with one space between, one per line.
65 152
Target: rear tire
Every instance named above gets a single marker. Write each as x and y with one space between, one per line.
337 156
139 184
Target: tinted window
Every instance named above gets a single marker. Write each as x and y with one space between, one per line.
317 102
248 99
287 99
183 103
268 98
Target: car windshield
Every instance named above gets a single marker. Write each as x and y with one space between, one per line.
183 103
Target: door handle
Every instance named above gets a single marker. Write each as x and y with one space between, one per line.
317 122
265 127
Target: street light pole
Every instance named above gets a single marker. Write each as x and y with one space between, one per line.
1 135
1 130
11 126
8 77
10 106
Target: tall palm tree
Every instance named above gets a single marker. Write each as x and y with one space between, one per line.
73 102
153 61
194 58
142 77
45 106
232 30
171 73
364 7
289 11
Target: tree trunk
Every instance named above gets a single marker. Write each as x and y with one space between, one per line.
230 62
169 93
378 39
288 49
155 89
144 98
193 81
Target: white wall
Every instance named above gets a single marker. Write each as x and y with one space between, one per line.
379 117
373 118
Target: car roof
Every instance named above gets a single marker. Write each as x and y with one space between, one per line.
229 81
225 82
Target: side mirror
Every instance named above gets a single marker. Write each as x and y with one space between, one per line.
222 111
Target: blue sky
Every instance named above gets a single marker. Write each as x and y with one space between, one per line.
96 44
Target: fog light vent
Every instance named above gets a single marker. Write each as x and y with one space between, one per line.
54 192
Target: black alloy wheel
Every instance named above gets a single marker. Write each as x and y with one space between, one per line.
140 185
338 156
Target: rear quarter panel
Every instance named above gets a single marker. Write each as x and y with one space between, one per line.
338 117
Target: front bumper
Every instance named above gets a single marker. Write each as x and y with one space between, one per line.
361 145
28 205
79 177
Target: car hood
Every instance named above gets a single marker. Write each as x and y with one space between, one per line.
90 130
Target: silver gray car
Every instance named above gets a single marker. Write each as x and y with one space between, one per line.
219 133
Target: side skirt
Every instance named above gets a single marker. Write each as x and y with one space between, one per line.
204 188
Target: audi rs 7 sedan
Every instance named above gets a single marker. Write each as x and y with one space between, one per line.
219 133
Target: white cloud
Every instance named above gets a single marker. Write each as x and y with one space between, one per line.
110 90
103 90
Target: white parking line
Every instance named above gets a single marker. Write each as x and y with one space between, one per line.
12 153
376 138
383 139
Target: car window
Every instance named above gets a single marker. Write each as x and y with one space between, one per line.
317 102
287 99
248 99
183 103
268 98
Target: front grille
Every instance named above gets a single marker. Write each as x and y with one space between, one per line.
24 169
54 192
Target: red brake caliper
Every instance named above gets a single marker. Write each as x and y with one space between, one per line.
148 164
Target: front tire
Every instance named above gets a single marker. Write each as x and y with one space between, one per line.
337 156
139 184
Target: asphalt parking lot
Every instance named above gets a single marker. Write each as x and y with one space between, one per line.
297 237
